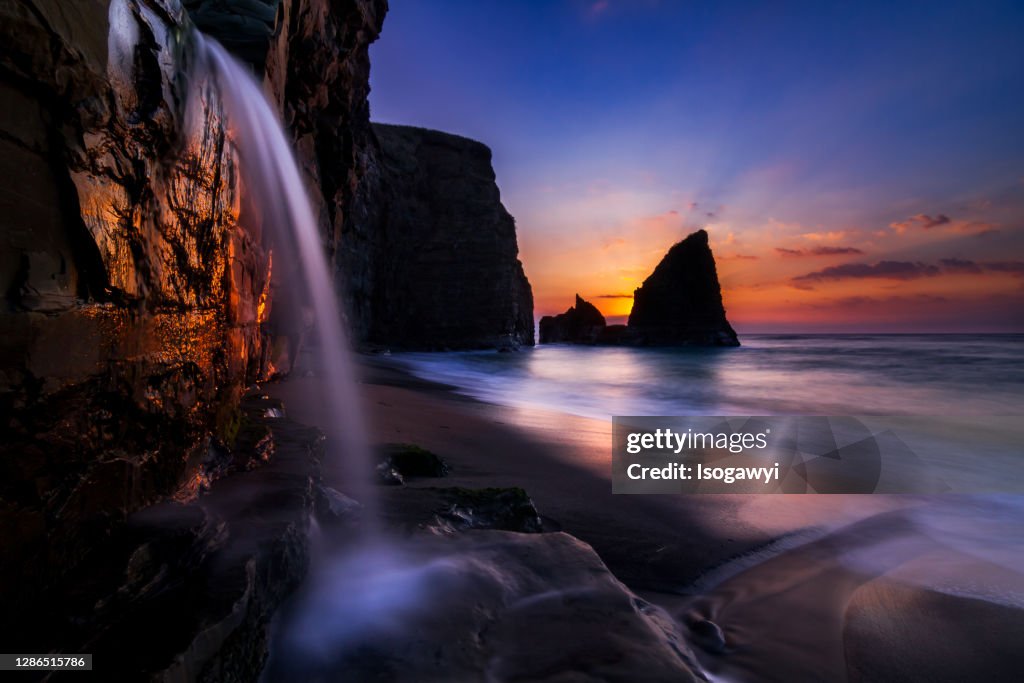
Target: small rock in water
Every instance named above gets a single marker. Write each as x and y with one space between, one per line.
709 635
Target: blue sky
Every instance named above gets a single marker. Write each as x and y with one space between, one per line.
894 131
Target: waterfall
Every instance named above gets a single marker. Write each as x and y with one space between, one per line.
359 589
272 183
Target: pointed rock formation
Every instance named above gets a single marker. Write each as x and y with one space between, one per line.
581 324
680 303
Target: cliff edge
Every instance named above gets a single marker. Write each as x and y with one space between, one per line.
446 268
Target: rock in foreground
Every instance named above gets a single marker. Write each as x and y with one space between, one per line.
506 509
186 591
479 606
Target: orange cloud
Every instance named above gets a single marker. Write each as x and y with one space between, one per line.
831 236
819 251
942 222
921 220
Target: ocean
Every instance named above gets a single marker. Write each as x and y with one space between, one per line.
929 374
968 378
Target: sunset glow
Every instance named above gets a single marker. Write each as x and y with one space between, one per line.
853 171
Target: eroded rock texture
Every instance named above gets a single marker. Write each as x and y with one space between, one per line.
447 273
133 289
581 324
208 574
314 55
425 254
680 303
138 285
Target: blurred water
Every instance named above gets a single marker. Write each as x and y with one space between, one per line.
769 375
276 194
965 378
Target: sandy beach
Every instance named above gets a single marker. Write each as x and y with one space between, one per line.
803 587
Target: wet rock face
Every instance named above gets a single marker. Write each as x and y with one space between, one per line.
244 27
137 282
425 254
581 324
447 273
314 57
134 288
318 69
680 303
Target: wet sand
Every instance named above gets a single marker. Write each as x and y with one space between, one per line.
803 587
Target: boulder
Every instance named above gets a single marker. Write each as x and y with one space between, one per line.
478 606
334 507
680 303
709 635
410 460
581 324
386 475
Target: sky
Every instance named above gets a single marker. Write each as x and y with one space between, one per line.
859 166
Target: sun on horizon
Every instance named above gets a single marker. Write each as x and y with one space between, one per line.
853 172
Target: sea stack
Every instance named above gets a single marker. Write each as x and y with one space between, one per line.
680 303
581 324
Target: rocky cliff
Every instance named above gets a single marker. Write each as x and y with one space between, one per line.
581 324
680 303
137 283
447 272
425 254
133 289
314 55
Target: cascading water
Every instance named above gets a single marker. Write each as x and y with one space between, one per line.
273 185
361 589
356 593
